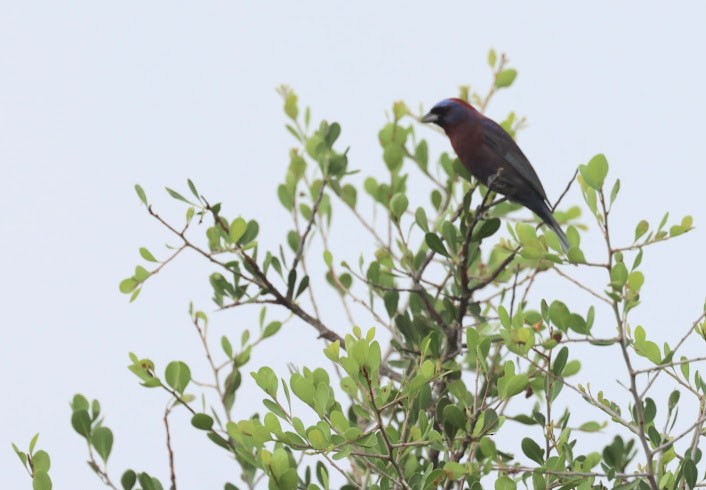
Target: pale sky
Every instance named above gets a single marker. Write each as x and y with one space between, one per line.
98 96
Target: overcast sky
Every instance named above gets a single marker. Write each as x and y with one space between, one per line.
98 96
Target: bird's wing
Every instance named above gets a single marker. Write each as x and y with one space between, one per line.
502 144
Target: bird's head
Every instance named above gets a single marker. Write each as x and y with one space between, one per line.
448 113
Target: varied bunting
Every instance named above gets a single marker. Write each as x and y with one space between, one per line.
493 157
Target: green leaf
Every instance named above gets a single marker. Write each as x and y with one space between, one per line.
291 281
293 240
560 315
594 173
334 131
650 410
141 274
398 205
393 157
635 280
274 408
460 169
487 228
614 191
267 380
202 421
684 367
538 481
690 472
33 443
421 154
505 319
128 480
291 107
349 194
177 375
303 388
648 349
250 232
41 481
505 78
21 454
339 421
590 427
328 258
532 450
81 423
147 255
664 221
641 229
41 461
371 186
79 402
176 195
237 229
226 346
302 286
674 399
454 471
192 188
492 58
141 194
285 197
427 370
436 199
420 217
147 482
515 385
450 234
128 285
391 300
505 483
560 361
271 329
526 233
322 475
455 417
332 351
317 438
306 211
434 243
589 195
618 275
102 440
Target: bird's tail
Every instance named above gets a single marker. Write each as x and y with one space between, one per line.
545 213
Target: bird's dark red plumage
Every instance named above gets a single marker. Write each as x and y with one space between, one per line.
492 156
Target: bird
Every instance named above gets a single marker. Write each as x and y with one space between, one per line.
491 155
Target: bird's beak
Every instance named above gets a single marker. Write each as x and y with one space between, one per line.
430 118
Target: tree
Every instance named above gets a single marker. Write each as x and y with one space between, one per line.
458 355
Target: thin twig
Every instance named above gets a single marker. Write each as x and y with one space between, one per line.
681 342
522 469
623 341
499 270
170 450
581 285
383 433
683 434
314 211
101 472
566 190
669 364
